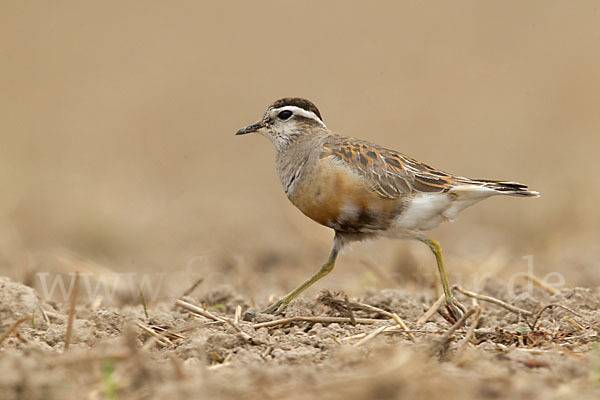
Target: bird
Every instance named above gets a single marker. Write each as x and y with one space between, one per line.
362 190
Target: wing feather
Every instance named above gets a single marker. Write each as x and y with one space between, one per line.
391 174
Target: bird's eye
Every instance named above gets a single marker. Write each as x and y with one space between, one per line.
285 114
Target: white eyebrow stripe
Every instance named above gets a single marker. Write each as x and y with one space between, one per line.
300 111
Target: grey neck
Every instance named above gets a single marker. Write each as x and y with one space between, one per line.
292 160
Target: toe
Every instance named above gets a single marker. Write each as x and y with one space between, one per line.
275 308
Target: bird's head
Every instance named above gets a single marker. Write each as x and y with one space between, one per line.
286 120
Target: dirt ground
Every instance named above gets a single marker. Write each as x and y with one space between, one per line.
551 354
118 161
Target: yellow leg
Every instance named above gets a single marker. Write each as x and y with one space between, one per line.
326 268
454 306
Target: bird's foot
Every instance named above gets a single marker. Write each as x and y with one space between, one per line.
276 308
455 310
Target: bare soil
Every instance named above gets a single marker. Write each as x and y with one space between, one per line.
111 356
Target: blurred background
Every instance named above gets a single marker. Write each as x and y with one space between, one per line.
117 144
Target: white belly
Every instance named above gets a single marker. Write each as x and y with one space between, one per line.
427 210
424 211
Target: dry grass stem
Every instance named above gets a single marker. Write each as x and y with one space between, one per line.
12 328
72 303
238 314
371 336
167 334
431 311
574 323
198 310
204 321
492 300
469 335
353 337
550 306
192 288
44 315
396 328
22 338
539 283
324 320
458 324
440 346
158 338
354 305
209 315
403 325
239 331
50 315
327 298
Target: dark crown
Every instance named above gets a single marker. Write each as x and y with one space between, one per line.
298 102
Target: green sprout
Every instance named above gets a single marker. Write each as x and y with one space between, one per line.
108 378
143 300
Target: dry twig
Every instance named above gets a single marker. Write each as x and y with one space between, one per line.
22 338
12 328
198 310
550 306
73 302
463 343
314 320
209 315
371 335
492 300
238 314
441 345
403 325
192 288
158 337
431 311
536 281
446 336
45 315
571 321
328 299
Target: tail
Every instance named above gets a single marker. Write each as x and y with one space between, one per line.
471 191
508 188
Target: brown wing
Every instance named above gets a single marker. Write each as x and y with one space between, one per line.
392 174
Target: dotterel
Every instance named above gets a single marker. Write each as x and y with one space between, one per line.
362 190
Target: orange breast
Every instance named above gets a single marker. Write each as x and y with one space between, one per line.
336 196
